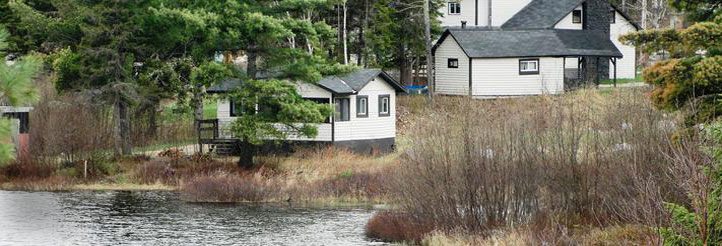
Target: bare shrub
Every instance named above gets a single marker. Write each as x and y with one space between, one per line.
480 165
397 227
223 187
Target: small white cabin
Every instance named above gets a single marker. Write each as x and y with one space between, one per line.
487 63
364 105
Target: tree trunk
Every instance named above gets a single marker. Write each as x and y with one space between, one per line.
153 120
364 53
246 152
429 54
644 14
345 34
121 130
251 69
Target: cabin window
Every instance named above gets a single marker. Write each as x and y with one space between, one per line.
577 16
324 101
23 117
341 112
612 16
236 108
454 8
384 105
453 63
362 106
528 66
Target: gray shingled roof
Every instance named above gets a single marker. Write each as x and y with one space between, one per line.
343 84
541 14
224 86
355 81
485 43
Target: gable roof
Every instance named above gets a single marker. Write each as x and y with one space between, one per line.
540 14
545 14
491 43
349 83
355 81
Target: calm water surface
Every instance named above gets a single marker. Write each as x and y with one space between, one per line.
160 218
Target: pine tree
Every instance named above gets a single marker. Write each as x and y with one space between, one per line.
16 88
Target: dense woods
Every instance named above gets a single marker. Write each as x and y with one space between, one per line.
132 56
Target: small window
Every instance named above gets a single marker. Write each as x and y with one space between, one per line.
454 8
384 105
453 63
612 16
236 109
528 66
362 106
577 16
341 112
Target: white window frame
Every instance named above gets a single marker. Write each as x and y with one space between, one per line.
362 106
384 99
524 68
454 8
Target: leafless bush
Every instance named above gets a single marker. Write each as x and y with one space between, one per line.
75 126
395 226
480 165
223 187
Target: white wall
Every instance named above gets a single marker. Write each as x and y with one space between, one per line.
306 91
468 13
503 10
373 126
451 81
626 67
568 21
500 77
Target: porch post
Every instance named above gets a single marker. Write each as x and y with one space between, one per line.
614 62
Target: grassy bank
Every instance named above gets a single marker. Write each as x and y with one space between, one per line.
314 176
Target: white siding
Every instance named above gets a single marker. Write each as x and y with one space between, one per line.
306 91
373 126
568 22
500 77
626 67
468 13
503 10
451 81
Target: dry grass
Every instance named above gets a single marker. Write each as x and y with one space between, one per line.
326 176
587 158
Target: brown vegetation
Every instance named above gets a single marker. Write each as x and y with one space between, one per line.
589 158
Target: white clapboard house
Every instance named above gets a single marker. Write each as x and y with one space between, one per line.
494 48
364 117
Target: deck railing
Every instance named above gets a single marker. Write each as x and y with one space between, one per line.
207 130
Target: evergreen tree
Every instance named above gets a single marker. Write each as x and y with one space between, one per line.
16 89
692 78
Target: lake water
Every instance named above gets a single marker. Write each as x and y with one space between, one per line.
160 218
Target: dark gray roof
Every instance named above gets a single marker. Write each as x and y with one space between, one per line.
484 43
356 81
342 84
336 85
545 14
224 86
541 14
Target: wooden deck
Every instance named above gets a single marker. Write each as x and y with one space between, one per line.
208 134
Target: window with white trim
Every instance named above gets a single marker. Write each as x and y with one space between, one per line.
528 66
384 105
454 8
362 106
